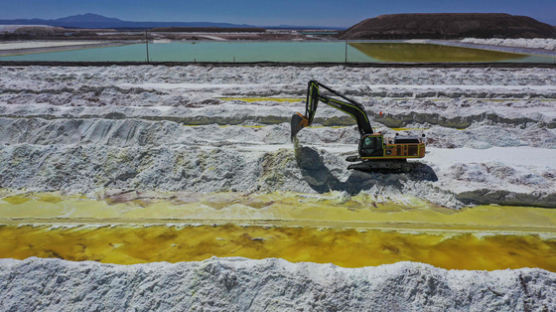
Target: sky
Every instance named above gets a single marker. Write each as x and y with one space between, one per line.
268 13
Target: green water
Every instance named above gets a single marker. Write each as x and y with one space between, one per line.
428 53
280 51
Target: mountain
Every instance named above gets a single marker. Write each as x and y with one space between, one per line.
90 20
87 21
449 25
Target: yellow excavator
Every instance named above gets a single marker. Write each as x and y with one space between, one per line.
376 152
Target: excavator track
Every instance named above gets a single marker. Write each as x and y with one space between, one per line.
382 166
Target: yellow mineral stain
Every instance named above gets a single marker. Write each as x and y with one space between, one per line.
262 99
244 126
16 199
410 129
415 52
262 126
49 197
344 247
226 126
292 209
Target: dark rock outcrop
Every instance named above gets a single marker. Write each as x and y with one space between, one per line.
449 25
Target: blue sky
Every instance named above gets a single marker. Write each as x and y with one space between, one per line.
262 12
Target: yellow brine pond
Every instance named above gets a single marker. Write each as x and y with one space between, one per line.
133 227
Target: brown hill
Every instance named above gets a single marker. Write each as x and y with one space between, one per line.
449 25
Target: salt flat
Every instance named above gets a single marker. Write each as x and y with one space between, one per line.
4 46
118 138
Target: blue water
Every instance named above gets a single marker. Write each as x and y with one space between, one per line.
207 51
214 51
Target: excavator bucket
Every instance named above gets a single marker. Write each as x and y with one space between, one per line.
298 122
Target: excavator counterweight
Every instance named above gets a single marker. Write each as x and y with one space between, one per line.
375 152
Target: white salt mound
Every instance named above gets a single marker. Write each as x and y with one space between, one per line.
238 284
535 43
89 129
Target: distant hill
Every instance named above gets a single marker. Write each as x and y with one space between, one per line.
98 21
448 26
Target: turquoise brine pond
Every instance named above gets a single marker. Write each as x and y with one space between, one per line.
274 51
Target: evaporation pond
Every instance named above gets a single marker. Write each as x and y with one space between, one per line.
281 51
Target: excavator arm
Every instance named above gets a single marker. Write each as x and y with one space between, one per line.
342 103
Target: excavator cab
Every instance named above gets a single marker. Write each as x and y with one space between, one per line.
371 145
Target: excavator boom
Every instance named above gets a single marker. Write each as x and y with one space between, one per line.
345 104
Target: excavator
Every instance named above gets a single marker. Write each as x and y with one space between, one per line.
376 152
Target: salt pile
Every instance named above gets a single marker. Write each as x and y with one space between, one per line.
212 129
536 43
238 284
